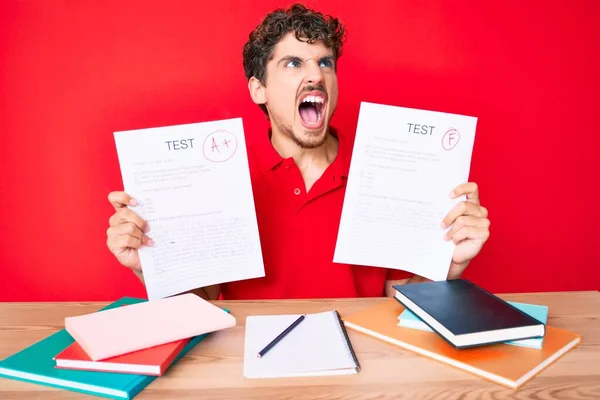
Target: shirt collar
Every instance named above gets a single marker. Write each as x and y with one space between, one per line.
344 154
265 153
268 158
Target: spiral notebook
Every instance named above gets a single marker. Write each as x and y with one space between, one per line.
319 346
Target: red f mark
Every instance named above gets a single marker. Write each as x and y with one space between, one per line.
226 142
450 139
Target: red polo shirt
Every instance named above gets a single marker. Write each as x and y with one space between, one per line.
298 232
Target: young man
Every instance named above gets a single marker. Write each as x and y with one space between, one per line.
299 171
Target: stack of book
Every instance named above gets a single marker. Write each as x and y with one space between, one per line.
461 324
119 350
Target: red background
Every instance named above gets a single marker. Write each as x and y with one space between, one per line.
72 73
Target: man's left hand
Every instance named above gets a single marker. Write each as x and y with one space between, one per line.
470 227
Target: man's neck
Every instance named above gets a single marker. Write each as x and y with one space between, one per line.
311 162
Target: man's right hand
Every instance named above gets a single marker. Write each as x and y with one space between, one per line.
127 231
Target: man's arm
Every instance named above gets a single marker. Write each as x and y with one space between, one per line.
207 293
469 229
390 291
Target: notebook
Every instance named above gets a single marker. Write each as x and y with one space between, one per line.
35 364
318 346
410 320
139 326
465 314
152 361
510 366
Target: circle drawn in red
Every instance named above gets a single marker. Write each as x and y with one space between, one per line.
450 139
219 146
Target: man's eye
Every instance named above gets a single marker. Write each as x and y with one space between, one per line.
292 64
326 63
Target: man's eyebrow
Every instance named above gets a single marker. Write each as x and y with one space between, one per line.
289 58
328 58
298 59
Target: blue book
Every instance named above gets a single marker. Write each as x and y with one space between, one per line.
409 320
35 364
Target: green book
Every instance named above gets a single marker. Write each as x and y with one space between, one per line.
35 364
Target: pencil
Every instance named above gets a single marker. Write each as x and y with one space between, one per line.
280 336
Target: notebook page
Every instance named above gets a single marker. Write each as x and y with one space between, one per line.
315 347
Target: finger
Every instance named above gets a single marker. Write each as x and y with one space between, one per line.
466 221
121 199
125 215
128 228
139 238
118 242
464 208
470 189
471 233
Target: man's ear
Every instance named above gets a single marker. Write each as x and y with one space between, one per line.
257 91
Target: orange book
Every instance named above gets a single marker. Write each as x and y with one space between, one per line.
510 366
151 361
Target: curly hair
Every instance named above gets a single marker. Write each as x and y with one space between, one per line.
306 24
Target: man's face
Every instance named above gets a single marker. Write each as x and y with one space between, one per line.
301 90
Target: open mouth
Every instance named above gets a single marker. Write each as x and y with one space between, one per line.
311 110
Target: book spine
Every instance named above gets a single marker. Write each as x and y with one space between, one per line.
347 339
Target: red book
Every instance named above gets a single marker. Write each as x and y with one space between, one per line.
151 361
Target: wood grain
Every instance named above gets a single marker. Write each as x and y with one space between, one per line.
213 369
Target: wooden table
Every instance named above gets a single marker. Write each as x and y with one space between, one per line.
213 369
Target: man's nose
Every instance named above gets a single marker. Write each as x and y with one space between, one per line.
314 74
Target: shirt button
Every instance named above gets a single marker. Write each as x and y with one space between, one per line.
297 191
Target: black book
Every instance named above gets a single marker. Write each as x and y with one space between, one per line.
465 314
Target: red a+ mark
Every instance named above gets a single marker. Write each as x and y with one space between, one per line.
214 146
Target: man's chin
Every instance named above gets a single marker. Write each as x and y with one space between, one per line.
310 139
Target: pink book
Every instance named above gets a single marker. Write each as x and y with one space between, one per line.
122 330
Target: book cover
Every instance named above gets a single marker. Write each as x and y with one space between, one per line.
409 320
35 364
122 330
465 314
510 366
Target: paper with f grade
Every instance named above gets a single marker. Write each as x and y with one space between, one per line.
404 164
193 186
